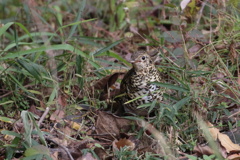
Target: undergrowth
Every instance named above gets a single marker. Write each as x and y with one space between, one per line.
64 48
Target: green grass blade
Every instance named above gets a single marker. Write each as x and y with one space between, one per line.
23 28
45 48
38 34
33 68
79 15
181 103
101 51
79 70
5 27
171 86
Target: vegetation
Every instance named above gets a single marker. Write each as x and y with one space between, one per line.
61 63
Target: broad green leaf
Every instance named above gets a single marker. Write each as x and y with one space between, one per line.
28 127
172 36
191 157
39 132
32 69
11 133
39 149
6 119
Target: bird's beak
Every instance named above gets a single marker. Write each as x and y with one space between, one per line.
135 61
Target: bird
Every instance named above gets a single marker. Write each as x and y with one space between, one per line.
136 87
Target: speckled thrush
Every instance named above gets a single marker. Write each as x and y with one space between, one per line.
136 88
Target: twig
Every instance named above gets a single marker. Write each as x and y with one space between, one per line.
64 148
43 116
10 92
200 12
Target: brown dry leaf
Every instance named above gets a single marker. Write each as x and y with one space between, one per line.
102 154
108 85
34 110
233 52
62 100
55 155
68 131
60 141
235 156
3 158
107 81
42 104
123 142
194 50
8 137
87 156
239 78
223 139
107 123
57 116
202 149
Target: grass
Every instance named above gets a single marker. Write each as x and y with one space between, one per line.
85 41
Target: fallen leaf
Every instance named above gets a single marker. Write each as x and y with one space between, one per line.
57 116
235 156
88 156
225 141
202 150
233 52
62 100
184 4
122 143
75 125
238 78
107 81
34 110
54 155
102 154
111 125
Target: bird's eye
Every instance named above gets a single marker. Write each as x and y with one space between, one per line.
143 57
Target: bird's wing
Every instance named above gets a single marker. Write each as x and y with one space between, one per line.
126 81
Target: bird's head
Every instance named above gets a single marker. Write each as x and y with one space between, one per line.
141 62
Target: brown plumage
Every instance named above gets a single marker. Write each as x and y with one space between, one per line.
136 84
